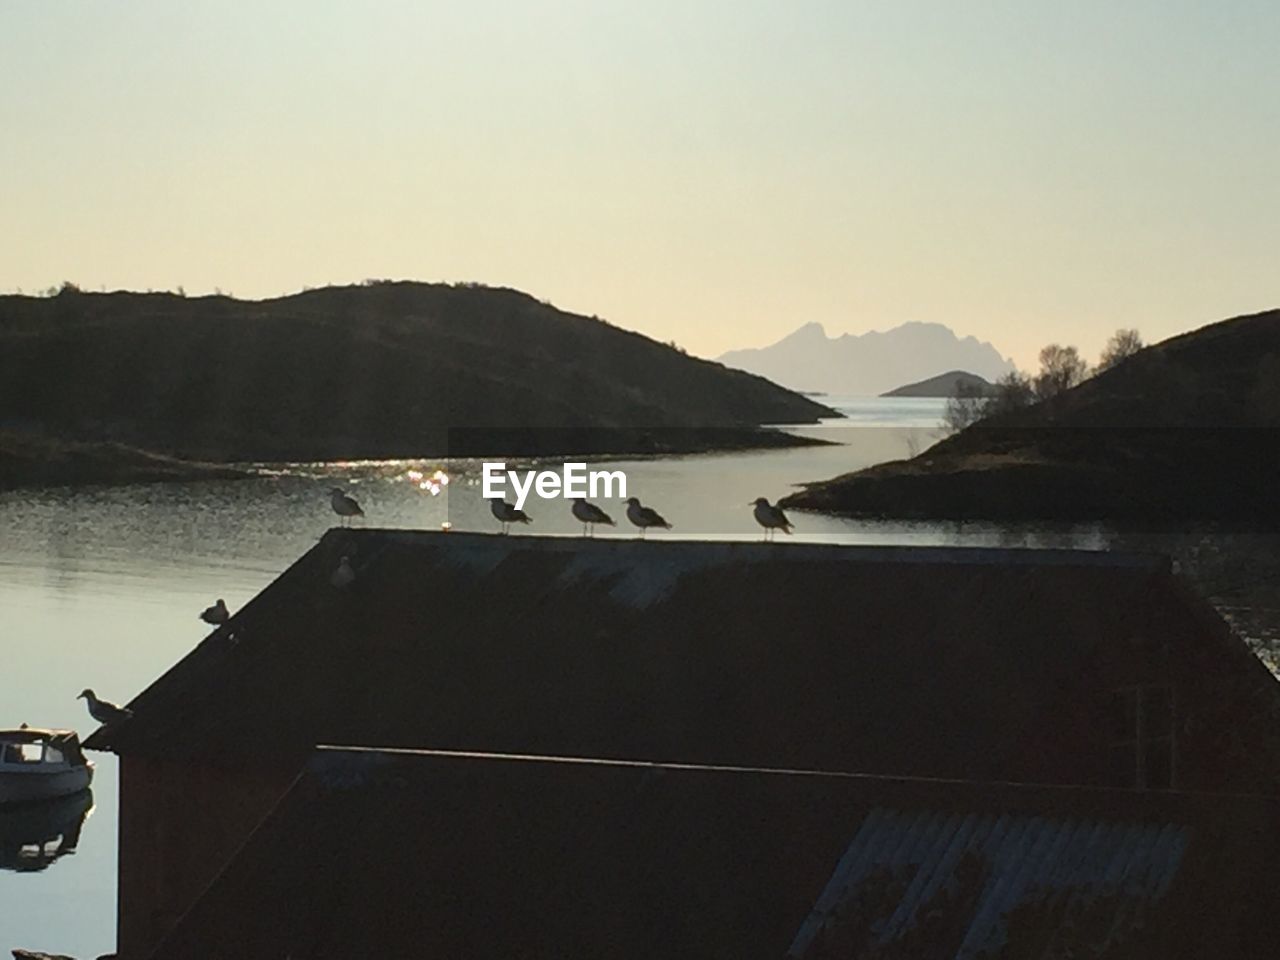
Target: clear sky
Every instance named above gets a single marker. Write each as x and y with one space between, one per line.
711 172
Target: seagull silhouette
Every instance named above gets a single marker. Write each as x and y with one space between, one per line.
589 515
216 615
103 710
644 517
507 514
343 505
344 575
770 517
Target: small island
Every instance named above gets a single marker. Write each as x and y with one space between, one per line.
947 384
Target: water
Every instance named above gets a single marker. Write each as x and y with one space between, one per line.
102 587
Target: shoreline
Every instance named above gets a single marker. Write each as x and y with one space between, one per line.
29 462
1032 486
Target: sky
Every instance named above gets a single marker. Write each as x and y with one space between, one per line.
713 172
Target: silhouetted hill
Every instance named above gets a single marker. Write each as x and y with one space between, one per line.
944 385
1186 430
870 363
380 370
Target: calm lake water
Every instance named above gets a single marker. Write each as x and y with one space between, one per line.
101 587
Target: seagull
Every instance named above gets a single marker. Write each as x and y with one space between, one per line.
343 505
103 711
644 517
770 517
507 514
590 515
344 575
216 615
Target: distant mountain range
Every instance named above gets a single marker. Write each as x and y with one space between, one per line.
379 370
868 364
945 385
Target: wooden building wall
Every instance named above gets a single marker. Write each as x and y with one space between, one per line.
1162 698
180 824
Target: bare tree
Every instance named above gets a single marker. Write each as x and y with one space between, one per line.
1061 368
1013 392
1123 343
965 407
911 439
971 403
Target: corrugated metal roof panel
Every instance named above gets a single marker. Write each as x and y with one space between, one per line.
908 876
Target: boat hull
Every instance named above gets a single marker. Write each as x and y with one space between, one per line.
25 786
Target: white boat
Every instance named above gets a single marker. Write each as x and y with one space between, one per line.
41 764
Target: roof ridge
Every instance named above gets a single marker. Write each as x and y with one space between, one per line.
801 550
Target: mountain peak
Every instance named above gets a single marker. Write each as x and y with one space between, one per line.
812 331
871 363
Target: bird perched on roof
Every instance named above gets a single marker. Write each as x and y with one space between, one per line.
770 517
644 517
343 505
102 710
344 575
216 615
507 514
589 515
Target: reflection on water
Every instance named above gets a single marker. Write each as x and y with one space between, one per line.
103 587
35 835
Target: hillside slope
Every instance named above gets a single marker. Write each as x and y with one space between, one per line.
381 370
1188 429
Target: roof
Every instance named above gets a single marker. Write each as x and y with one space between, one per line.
35 735
964 663
378 854
999 865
